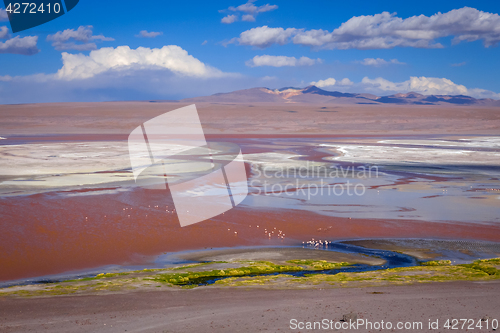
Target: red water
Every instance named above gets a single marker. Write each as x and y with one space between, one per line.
52 233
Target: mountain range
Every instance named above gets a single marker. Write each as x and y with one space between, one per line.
315 95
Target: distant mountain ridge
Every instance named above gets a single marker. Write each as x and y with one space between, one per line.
315 95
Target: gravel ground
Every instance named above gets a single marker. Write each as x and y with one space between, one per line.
211 309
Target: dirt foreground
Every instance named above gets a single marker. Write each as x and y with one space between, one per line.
253 310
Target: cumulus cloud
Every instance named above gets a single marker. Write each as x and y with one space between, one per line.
482 93
386 31
142 84
3 15
423 85
332 82
122 58
4 32
146 34
324 83
380 62
345 82
67 39
248 18
280 61
229 19
20 45
263 37
249 10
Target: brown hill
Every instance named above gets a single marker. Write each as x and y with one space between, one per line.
315 95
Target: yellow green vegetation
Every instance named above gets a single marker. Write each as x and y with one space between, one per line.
437 263
198 265
254 268
437 271
196 278
261 274
319 264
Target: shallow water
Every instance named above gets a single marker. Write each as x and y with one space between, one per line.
382 179
73 205
393 259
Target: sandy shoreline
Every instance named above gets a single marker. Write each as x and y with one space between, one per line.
278 255
252 310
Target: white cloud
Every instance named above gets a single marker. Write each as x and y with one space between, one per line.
386 31
146 34
280 61
263 37
229 19
248 18
423 85
249 9
324 83
380 62
17 45
4 32
65 40
458 64
482 93
204 42
269 78
332 82
345 82
171 57
20 45
3 15
132 84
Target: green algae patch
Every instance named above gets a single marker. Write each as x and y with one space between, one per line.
197 278
319 264
262 280
201 264
436 272
488 266
437 263
261 274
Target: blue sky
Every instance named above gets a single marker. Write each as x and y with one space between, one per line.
193 48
